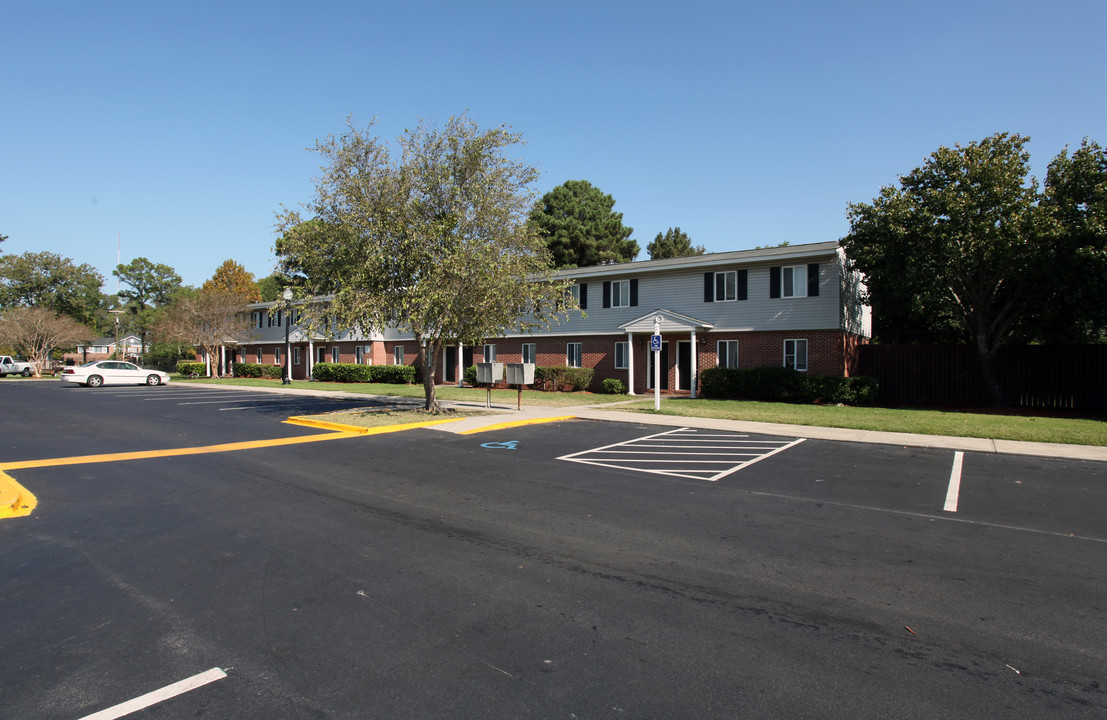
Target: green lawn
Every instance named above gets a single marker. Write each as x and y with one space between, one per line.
924 422
531 398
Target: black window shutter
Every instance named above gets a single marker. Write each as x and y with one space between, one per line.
584 296
774 282
742 284
813 280
709 287
634 292
607 293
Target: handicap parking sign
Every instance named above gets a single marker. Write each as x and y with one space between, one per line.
655 343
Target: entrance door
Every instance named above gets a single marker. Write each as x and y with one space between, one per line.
451 362
684 365
664 367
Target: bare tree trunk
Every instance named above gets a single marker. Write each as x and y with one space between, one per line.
427 369
986 356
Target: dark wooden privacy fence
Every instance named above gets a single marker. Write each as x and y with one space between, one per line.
1068 377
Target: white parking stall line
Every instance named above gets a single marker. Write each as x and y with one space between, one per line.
157 696
683 453
224 401
953 493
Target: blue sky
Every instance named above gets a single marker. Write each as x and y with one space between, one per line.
180 128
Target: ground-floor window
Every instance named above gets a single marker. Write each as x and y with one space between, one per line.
573 354
398 355
322 354
530 352
727 353
490 353
795 354
258 354
276 356
622 349
334 354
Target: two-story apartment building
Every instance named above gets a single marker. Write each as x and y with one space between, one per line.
797 306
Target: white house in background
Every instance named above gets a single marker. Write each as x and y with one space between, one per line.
798 306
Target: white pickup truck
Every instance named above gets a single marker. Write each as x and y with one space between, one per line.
9 366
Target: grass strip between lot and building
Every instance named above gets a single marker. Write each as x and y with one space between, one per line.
1064 430
922 421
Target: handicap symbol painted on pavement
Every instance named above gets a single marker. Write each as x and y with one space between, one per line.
509 445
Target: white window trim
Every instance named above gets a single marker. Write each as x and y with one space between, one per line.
398 355
734 285
277 355
490 350
579 352
258 355
626 354
335 354
533 352
622 289
719 354
799 289
795 354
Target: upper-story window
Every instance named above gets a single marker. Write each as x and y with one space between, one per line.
579 291
725 286
620 293
794 281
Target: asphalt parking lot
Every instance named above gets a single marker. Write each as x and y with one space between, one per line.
540 570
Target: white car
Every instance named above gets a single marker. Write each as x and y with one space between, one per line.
112 372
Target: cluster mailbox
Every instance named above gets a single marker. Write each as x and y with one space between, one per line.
520 373
490 373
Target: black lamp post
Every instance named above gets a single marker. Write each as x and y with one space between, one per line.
287 295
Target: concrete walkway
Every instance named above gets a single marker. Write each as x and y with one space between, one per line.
507 414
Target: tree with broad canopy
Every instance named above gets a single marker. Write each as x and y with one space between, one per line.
578 222
673 243
150 286
956 247
434 242
38 331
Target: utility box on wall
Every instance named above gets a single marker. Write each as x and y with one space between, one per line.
520 373
490 373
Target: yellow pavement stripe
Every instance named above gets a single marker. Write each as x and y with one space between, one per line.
362 430
142 455
516 423
15 500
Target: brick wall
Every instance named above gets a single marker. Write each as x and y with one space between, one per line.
829 352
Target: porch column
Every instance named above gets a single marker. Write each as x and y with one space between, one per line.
630 363
310 357
460 370
695 352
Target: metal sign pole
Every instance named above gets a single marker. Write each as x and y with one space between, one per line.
656 342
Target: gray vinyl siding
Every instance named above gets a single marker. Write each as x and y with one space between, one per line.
677 285
681 291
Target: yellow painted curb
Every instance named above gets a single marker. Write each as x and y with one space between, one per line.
517 423
15 500
358 429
